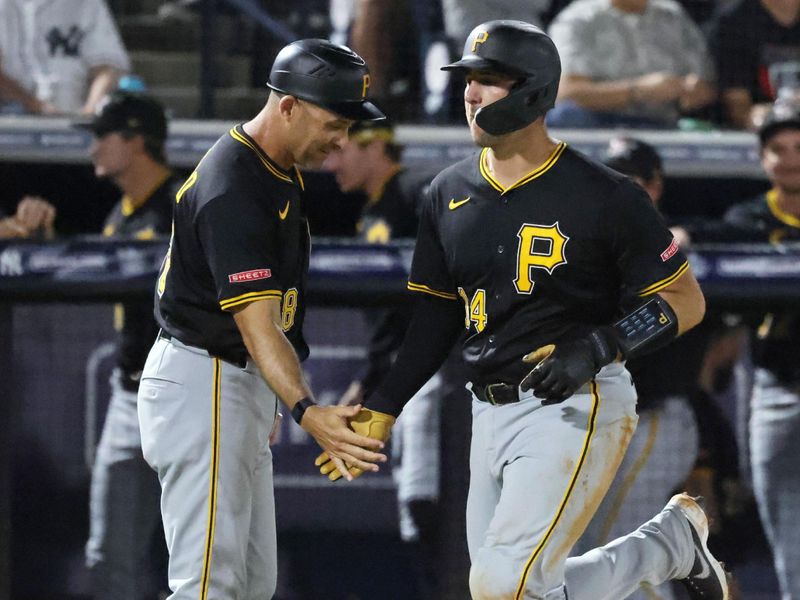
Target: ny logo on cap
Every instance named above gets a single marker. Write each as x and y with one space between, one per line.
479 39
364 85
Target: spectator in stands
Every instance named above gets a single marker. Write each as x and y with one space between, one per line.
130 131
775 405
751 42
57 56
34 218
370 162
633 63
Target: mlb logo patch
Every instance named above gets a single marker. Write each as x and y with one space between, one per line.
670 251
251 275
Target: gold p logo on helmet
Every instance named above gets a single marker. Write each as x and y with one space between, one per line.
364 85
479 39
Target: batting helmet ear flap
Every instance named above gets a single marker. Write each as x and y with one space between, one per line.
522 106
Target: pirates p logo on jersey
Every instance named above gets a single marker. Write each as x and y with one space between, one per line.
540 247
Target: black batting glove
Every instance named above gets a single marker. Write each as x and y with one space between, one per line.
562 369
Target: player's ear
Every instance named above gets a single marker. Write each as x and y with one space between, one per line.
288 107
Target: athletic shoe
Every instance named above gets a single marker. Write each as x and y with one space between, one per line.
706 580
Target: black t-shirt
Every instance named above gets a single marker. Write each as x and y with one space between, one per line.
134 320
745 40
240 235
547 259
777 341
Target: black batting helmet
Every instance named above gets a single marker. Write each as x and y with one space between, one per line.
326 74
519 50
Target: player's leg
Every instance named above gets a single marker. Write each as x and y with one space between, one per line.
262 551
659 458
671 545
554 464
123 505
775 457
201 434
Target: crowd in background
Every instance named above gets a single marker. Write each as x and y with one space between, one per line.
693 64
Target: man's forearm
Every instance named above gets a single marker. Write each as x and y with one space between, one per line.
11 90
104 80
271 350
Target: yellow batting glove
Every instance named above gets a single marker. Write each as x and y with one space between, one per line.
369 423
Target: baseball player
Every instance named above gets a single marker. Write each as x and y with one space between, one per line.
370 162
558 269
230 301
775 404
130 131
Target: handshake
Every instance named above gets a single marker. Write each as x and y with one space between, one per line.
367 423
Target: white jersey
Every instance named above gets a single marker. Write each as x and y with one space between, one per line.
50 47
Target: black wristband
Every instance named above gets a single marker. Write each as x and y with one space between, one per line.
299 409
650 327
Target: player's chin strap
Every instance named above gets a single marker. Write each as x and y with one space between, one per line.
563 368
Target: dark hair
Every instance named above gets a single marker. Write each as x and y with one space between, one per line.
153 146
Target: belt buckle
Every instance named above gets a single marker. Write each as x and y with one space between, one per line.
490 394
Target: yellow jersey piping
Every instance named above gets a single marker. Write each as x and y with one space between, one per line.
213 479
778 212
573 480
249 297
418 287
660 285
272 169
537 172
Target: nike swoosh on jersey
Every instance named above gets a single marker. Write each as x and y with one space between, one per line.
282 213
454 205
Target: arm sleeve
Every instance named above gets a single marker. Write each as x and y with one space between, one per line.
646 252
732 53
435 326
695 49
240 243
389 327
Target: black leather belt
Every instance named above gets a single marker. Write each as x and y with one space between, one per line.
496 393
240 360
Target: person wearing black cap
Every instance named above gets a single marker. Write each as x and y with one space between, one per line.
129 132
370 163
231 301
774 217
548 269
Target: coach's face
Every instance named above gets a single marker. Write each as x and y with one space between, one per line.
780 158
112 154
319 133
483 88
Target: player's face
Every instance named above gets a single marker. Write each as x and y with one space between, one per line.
111 154
351 166
483 88
780 158
321 132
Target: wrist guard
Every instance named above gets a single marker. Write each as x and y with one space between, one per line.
299 409
651 326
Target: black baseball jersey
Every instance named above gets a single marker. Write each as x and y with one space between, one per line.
239 235
142 220
546 259
776 344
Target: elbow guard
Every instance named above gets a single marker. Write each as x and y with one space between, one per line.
651 326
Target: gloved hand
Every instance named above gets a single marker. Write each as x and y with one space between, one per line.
563 368
369 423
